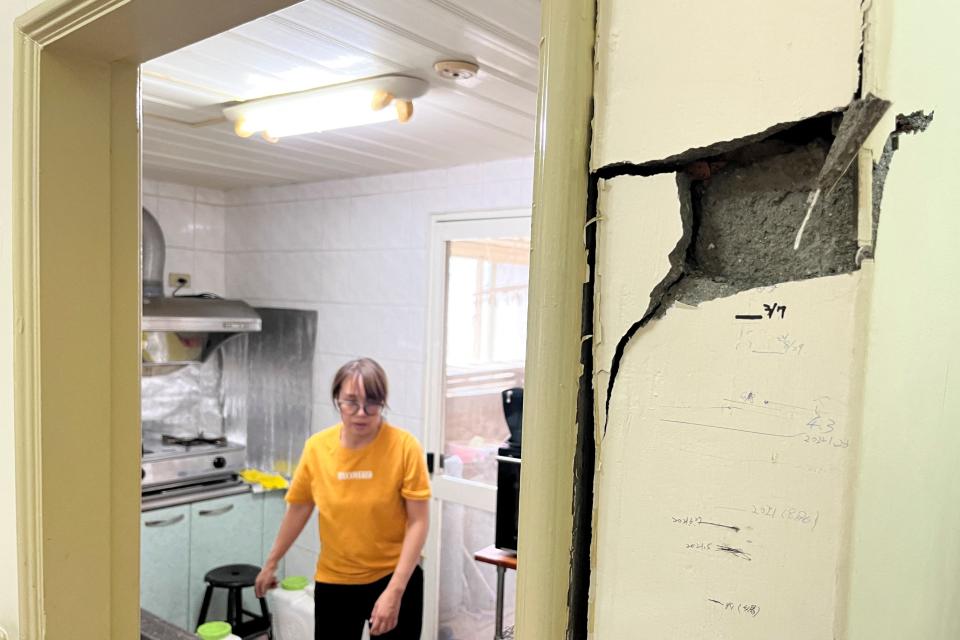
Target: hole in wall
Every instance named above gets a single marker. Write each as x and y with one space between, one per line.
746 206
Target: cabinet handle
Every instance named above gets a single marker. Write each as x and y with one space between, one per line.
216 512
164 523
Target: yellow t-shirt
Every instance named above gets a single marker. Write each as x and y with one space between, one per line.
359 495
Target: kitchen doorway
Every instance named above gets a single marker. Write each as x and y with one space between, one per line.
81 46
477 314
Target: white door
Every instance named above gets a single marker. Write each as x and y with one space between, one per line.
479 265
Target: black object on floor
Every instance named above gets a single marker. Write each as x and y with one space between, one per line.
235 578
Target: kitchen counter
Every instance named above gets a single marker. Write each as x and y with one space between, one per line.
190 494
153 628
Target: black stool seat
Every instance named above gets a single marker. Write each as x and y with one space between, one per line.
232 576
235 578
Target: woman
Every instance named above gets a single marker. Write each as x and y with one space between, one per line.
368 480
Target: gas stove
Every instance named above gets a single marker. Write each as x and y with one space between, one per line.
171 461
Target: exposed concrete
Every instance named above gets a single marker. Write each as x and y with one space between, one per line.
746 218
915 122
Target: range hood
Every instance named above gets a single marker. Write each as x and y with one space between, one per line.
200 322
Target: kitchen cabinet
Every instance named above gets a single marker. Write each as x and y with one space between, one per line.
274 507
180 544
223 531
164 563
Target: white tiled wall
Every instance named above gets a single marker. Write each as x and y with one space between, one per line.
356 251
194 229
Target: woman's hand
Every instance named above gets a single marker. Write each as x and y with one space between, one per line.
266 580
385 611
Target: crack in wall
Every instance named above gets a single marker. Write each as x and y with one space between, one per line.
584 464
740 210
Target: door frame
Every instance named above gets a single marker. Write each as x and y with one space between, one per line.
76 273
474 494
76 340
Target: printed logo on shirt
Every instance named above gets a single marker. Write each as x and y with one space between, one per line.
355 475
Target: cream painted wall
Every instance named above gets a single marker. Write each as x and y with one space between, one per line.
722 492
9 11
906 545
725 70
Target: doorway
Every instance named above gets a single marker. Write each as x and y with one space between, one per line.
479 268
74 42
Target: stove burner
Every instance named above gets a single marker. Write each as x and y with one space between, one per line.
218 441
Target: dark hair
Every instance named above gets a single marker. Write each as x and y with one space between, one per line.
369 371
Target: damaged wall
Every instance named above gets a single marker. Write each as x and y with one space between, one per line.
727 365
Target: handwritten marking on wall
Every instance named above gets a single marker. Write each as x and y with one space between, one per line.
755 339
698 520
769 311
746 609
808 517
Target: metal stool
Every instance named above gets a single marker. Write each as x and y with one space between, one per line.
234 578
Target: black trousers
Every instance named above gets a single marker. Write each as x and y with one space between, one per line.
340 610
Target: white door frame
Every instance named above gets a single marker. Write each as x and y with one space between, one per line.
444 227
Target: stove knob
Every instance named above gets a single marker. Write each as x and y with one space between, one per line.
219 462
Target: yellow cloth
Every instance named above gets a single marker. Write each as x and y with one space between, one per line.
359 495
269 481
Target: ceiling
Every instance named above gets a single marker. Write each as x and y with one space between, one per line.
323 42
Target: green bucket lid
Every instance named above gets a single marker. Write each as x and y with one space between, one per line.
213 630
294 583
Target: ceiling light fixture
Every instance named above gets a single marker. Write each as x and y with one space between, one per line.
351 104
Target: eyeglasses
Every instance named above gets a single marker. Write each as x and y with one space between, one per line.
351 407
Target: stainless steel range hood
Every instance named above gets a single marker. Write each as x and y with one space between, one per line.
199 314
200 322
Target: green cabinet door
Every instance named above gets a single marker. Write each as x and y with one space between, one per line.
274 508
165 563
222 531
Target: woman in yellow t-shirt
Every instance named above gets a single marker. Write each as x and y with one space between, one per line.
368 481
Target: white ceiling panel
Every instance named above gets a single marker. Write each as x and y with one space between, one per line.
324 42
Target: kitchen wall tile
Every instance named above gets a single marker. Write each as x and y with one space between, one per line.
249 275
209 227
433 179
367 185
176 220
429 201
340 188
508 194
176 190
396 182
511 169
209 273
335 223
467 197
356 250
324 415
178 261
211 196
415 373
309 191
464 174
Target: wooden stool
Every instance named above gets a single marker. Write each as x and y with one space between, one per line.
235 578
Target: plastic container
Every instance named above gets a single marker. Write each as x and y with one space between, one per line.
216 631
292 608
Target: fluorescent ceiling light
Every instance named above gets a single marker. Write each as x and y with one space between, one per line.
351 104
